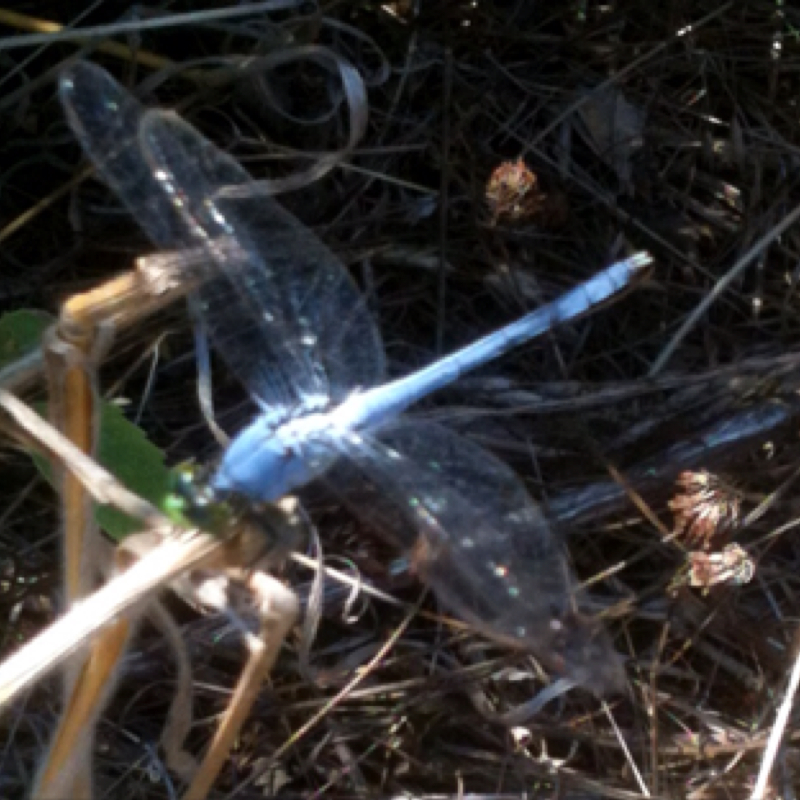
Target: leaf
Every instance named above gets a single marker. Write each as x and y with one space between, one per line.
131 458
21 332
125 451
135 461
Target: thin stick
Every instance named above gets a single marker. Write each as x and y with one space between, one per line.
279 609
48 32
157 281
180 551
776 735
359 677
74 406
102 485
721 285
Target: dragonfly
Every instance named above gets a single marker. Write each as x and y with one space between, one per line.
291 323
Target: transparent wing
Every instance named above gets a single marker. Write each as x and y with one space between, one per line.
282 309
288 310
474 534
106 118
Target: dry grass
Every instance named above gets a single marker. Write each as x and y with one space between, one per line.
600 421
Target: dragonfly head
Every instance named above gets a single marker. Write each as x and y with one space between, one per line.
193 502
258 528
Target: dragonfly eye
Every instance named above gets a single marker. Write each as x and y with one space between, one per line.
185 480
192 501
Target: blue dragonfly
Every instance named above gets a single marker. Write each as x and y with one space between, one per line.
290 322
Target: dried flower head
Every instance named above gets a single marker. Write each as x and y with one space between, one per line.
513 192
731 566
703 508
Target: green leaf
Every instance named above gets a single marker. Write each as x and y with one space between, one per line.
125 451
132 459
21 333
136 462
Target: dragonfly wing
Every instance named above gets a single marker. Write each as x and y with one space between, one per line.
474 534
283 310
106 118
107 121
284 290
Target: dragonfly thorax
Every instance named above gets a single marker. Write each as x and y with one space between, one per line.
266 463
